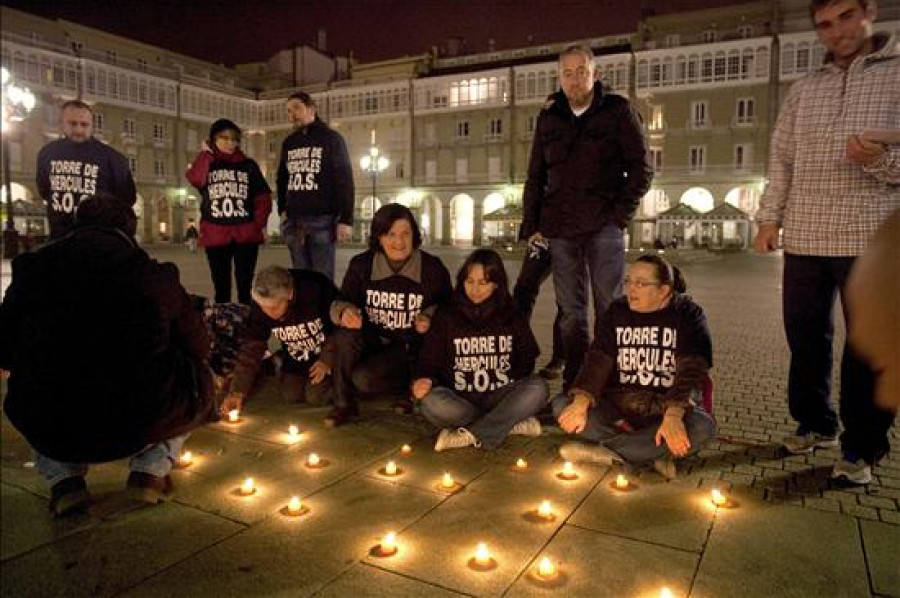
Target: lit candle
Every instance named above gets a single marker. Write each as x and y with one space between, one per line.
247 488
666 593
390 468
234 415
313 460
544 510
482 555
621 482
293 431
546 569
295 505
448 481
521 464
389 543
187 457
718 498
568 471
405 449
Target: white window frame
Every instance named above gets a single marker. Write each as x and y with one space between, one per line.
697 159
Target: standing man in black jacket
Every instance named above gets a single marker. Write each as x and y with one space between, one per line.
315 188
78 166
588 170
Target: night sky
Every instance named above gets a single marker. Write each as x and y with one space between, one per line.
230 31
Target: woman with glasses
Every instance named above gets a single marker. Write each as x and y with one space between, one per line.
235 205
636 400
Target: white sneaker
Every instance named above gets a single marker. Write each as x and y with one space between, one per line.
581 452
803 442
529 426
856 472
451 439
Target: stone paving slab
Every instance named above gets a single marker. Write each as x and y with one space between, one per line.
297 556
365 580
107 558
760 549
882 545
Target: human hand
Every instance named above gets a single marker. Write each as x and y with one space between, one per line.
673 432
863 152
423 323
574 417
536 237
343 232
204 147
318 371
351 318
766 238
234 400
421 387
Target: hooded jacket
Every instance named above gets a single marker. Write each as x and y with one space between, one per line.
476 349
587 171
105 350
236 199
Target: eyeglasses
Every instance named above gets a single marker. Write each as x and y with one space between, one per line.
640 284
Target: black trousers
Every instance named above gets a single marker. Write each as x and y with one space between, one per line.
366 367
535 270
220 260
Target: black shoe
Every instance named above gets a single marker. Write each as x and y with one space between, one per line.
403 406
69 496
552 370
341 415
148 488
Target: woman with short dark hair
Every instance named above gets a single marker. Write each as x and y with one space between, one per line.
385 305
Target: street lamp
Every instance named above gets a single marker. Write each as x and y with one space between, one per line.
17 103
373 163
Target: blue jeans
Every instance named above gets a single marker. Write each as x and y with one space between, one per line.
490 421
639 447
595 259
155 459
311 242
811 285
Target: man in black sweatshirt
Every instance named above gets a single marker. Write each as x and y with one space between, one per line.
78 166
315 188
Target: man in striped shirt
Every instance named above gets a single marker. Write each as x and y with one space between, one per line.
833 179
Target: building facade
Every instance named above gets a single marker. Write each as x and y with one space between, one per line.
457 131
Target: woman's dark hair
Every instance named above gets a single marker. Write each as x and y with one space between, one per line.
106 210
385 218
666 273
494 271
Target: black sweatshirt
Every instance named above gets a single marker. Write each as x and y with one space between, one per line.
647 362
67 172
314 174
476 349
391 300
303 330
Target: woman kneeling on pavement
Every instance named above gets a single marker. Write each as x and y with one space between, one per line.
384 307
637 397
475 368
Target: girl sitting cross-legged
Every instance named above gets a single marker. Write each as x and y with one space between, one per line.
475 368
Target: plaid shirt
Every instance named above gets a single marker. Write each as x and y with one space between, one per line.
826 205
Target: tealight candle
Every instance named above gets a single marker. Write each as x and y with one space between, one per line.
234 415
717 498
448 481
313 460
621 482
295 505
248 487
666 593
544 510
546 569
521 464
568 471
293 431
482 555
390 468
389 543
187 457
405 449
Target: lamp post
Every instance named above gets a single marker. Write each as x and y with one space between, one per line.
17 103
373 163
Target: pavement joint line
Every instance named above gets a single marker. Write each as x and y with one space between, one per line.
403 575
862 545
639 541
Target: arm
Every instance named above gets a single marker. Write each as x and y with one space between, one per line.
199 170
281 180
693 358
636 161
262 197
250 354
885 165
535 184
526 350
432 360
42 179
351 296
11 316
342 178
781 161
125 188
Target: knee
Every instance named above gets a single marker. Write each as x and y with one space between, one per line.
534 391
702 430
349 344
560 402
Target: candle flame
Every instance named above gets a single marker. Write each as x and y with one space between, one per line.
448 481
293 430
295 505
546 568
482 555
717 497
522 464
406 449
248 486
666 593
390 468
313 459
621 481
187 457
544 509
389 541
233 415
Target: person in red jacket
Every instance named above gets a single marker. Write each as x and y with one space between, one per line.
235 206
